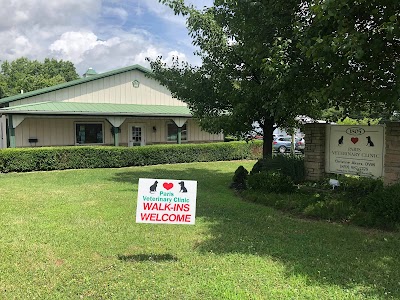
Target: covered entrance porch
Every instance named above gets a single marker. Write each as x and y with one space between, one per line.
67 123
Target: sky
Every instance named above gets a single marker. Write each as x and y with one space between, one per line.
101 34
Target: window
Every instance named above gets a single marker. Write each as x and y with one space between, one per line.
89 133
285 139
172 132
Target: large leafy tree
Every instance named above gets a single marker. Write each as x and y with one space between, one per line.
356 46
24 74
252 70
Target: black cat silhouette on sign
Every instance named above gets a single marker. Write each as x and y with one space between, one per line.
340 141
153 187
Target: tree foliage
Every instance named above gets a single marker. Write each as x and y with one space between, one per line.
269 61
356 46
251 68
24 74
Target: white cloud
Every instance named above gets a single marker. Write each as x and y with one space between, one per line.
72 45
105 34
163 12
14 44
139 11
47 13
174 54
28 27
86 50
125 54
118 12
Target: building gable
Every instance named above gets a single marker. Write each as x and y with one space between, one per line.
123 86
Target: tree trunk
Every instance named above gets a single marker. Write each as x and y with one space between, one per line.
268 131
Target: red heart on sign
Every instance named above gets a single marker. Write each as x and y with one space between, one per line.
168 186
354 140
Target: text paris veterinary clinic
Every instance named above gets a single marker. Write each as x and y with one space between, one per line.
166 197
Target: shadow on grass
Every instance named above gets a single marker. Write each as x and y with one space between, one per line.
324 253
148 257
166 173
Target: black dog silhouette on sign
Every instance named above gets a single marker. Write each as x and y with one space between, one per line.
340 141
183 188
153 187
370 143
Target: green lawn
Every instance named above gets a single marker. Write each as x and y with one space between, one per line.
72 235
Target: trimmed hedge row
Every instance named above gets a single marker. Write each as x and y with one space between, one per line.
80 157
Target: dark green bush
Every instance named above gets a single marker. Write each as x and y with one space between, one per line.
78 157
355 189
292 166
271 182
382 207
358 200
239 178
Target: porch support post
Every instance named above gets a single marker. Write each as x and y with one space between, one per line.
116 123
116 136
179 137
11 132
179 122
13 122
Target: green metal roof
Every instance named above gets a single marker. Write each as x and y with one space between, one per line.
72 83
97 109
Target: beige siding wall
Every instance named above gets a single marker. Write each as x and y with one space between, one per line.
61 131
53 132
151 136
117 89
196 134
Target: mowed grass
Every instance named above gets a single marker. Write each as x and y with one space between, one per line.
72 235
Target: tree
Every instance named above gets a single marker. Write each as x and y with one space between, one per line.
251 69
356 46
24 74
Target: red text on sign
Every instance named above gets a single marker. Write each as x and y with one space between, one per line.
153 217
166 206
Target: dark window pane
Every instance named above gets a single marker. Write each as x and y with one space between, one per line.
89 133
172 134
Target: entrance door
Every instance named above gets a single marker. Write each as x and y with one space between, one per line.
137 135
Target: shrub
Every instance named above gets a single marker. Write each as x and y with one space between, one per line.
357 188
292 166
230 138
329 209
382 207
78 157
239 178
272 181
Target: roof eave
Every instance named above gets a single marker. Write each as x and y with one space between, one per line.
79 113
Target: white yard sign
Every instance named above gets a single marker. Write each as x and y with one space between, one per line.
355 150
166 201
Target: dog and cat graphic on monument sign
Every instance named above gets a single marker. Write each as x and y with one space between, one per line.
354 140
